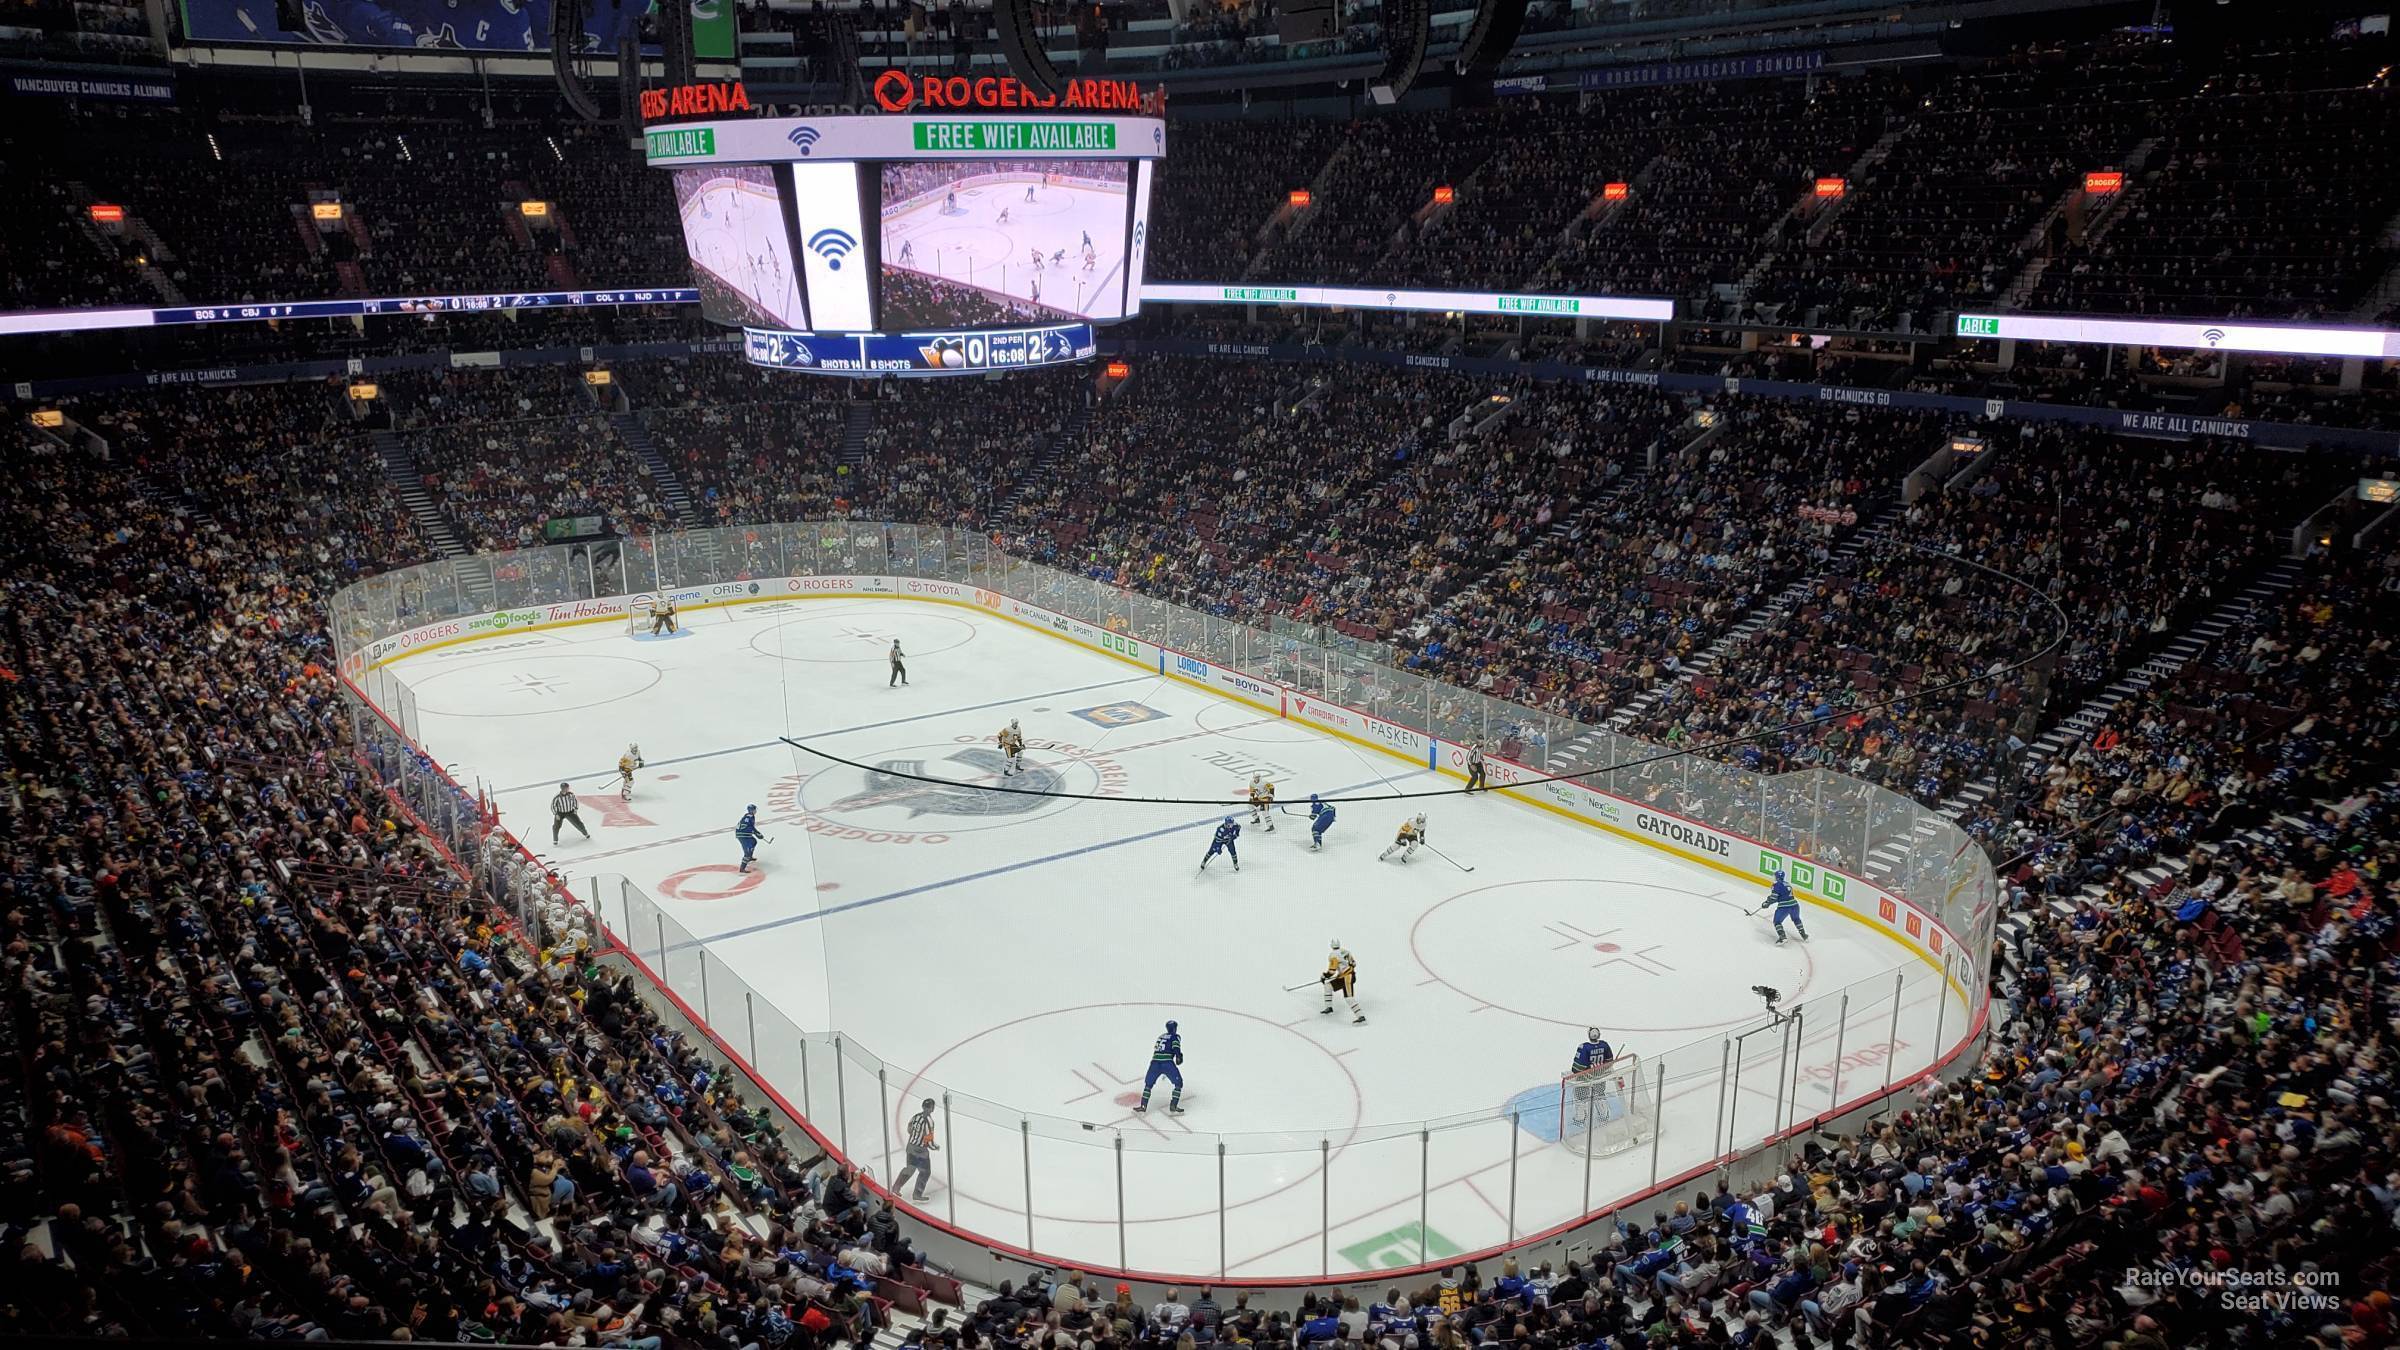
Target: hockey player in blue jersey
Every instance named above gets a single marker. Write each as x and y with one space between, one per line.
1320 819
748 835
1786 906
1227 832
1166 1057
1594 1052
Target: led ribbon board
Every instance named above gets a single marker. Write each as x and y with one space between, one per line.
2190 334
1442 302
966 352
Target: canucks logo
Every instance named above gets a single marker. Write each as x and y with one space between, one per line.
886 787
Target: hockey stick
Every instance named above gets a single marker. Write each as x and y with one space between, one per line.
1450 860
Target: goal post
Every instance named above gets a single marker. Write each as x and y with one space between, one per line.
1602 1109
637 614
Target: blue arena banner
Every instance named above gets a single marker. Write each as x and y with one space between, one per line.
442 25
114 86
2269 435
1757 66
967 352
95 320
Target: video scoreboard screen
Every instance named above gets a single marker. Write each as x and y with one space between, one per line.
922 245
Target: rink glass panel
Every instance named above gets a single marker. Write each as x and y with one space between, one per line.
1294 1201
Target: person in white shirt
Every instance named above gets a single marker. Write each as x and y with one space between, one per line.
1169 1313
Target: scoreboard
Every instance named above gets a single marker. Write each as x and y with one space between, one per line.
968 352
908 244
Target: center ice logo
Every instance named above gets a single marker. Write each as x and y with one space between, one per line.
889 801
886 786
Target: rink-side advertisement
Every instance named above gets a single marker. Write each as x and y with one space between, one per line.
1746 859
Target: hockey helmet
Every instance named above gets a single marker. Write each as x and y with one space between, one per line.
1170 1026
1420 820
1591 1033
1312 799
1337 944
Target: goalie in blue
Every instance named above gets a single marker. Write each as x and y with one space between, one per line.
1166 1059
1594 1052
1227 831
1786 906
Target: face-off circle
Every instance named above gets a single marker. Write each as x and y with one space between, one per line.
855 636
528 685
1630 956
1083 1067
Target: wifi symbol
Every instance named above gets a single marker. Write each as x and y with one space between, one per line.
832 245
806 138
2214 335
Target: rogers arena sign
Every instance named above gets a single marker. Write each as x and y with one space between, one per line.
898 91
695 100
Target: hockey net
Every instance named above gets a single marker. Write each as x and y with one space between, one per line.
1603 1109
637 615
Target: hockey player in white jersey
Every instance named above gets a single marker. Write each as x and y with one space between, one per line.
1012 744
1412 833
1341 975
1262 802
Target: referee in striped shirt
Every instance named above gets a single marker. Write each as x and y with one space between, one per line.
920 1152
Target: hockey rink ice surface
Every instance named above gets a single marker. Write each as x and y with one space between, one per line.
974 247
1023 952
738 235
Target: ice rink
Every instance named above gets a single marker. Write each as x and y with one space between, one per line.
1021 952
976 247
735 229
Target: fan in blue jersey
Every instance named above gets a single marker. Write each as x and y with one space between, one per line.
1320 819
1786 906
1165 1057
1227 832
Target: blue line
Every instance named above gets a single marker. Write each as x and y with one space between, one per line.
844 731
972 876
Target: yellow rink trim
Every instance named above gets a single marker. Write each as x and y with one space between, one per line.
1511 793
